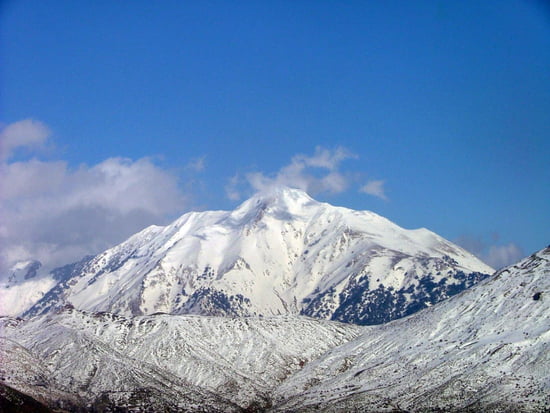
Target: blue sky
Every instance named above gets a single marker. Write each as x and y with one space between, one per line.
117 115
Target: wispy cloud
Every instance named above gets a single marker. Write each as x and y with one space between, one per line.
197 164
375 188
26 133
317 173
57 214
232 188
500 256
496 255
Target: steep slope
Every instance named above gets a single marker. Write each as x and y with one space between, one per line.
183 363
280 252
12 401
487 349
26 284
23 287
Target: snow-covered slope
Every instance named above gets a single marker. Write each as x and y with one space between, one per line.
23 287
26 284
487 349
198 362
280 252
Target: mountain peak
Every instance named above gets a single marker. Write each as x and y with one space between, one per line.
282 193
279 201
24 270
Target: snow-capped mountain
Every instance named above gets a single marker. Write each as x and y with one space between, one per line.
23 270
487 349
280 252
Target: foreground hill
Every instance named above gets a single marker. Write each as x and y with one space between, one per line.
280 252
487 349
168 362
484 350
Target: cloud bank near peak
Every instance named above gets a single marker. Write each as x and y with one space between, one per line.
321 172
57 214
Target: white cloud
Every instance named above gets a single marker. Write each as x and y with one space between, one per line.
323 158
333 183
26 133
318 173
58 214
375 188
500 256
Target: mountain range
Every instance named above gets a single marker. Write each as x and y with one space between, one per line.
284 304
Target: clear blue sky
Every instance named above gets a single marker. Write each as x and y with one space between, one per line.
442 106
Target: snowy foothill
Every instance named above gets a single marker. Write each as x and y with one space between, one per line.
486 349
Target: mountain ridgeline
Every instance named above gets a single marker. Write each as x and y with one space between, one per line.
278 253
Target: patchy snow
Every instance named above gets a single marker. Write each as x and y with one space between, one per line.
487 348
236 359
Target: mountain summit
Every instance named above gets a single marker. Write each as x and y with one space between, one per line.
279 252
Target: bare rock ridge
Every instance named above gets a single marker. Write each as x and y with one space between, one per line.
280 252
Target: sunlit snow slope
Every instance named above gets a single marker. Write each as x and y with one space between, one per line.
23 287
280 252
487 349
